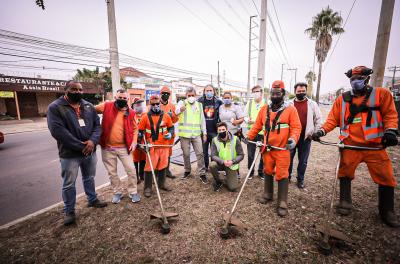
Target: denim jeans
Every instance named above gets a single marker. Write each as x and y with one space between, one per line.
206 147
69 173
251 151
303 148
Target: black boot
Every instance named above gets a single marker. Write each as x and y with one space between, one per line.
268 194
344 207
386 206
161 180
142 164
169 174
148 181
283 188
138 180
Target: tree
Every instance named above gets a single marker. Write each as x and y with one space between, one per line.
324 25
310 77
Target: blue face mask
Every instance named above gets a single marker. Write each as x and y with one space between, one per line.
227 101
209 95
357 85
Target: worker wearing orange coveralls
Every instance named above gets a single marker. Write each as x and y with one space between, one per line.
282 129
367 117
139 156
156 126
168 108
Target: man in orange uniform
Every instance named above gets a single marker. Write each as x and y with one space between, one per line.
139 156
367 117
156 126
282 129
168 108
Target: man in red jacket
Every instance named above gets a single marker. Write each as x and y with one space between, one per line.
118 139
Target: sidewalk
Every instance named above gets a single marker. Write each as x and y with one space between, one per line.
24 125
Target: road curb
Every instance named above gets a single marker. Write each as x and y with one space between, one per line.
28 131
44 210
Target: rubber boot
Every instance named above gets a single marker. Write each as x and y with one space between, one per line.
283 189
344 207
169 174
161 180
148 181
386 206
268 194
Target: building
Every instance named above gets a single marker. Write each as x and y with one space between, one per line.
23 97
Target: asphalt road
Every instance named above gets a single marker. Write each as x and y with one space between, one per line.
30 177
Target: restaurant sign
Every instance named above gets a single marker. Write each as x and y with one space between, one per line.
22 84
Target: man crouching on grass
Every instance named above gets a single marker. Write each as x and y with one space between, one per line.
74 123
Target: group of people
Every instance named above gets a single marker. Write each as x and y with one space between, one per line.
142 137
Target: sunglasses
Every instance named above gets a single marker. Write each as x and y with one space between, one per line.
154 104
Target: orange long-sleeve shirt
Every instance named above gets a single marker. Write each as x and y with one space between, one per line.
166 123
289 116
356 135
170 110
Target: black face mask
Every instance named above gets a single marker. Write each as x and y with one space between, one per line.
276 100
74 97
222 135
121 103
165 97
301 96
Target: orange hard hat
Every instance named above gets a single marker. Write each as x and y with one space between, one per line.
165 89
359 70
278 84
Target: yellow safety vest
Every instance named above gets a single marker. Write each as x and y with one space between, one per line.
189 124
252 112
227 152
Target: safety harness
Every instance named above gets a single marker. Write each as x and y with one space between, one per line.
155 132
275 122
354 109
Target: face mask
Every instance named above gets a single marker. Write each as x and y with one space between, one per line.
138 109
301 96
155 108
222 135
191 100
357 85
257 95
227 101
276 100
209 95
121 103
165 97
74 97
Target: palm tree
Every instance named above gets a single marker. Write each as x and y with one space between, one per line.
310 77
324 25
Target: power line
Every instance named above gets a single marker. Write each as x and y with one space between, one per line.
244 8
236 14
258 12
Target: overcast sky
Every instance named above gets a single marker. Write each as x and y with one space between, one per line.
165 32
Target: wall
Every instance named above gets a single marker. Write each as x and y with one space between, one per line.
3 107
43 101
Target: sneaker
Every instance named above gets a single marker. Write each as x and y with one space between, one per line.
69 219
135 197
261 176
300 185
204 179
217 186
97 204
185 175
251 176
116 198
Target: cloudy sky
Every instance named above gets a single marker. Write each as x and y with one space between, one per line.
195 34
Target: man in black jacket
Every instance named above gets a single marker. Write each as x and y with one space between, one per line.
74 123
211 106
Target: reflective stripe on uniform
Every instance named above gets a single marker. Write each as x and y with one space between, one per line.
189 123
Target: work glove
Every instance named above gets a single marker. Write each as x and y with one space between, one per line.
291 144
317 135
259 144
389 138
167 136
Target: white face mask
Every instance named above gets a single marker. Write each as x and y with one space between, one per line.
257 95
191 100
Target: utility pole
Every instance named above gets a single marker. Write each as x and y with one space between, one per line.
249 59
394 69
114 57
219 87
223 82
295 77
382 42
282 72
262 44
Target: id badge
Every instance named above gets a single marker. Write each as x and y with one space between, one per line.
81 122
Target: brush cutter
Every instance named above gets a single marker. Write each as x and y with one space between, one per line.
325 229
163 215
229 219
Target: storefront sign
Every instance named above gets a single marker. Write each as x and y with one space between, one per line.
4 94
149 93
22 84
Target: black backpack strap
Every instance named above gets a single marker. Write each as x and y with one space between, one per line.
155 132
354 109
275 121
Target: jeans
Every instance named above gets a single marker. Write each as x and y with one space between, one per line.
251 151
197 146
205 149
303 148
69 173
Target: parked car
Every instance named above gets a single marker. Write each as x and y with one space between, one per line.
1 137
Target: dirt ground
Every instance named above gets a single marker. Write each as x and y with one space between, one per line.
123 233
